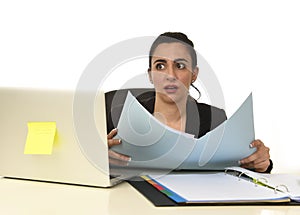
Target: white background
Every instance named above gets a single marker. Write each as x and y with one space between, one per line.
252 46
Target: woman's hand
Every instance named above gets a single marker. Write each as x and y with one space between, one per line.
259 160
114 157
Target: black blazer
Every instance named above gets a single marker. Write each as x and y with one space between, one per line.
201 118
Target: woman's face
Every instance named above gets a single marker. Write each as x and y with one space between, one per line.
172 72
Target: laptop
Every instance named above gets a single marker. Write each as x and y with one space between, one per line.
76 153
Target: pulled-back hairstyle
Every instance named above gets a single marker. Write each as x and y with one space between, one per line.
173 37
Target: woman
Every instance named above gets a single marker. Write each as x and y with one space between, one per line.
172 70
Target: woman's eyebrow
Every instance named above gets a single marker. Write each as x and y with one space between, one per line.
165 61
159 61
181 59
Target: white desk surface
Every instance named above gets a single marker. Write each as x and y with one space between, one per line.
29 197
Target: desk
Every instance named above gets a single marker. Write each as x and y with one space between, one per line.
23 197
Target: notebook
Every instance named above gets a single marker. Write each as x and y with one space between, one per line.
235 185
54 135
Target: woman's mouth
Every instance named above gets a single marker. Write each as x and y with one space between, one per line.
171 89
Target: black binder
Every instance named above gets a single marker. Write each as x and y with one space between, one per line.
158 199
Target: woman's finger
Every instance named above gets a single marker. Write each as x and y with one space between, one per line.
118 156
113 142
112 133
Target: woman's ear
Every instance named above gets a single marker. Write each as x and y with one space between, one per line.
195 74
150 76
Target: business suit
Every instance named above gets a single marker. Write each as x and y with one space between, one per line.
201 118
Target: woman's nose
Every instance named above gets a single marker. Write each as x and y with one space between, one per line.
171 75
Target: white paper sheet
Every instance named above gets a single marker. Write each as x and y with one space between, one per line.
216 187
151 144
287 183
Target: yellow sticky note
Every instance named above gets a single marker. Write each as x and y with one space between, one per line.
40 138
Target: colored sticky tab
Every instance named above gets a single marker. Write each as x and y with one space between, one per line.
40 138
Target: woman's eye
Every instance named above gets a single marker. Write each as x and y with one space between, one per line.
159 66
180 65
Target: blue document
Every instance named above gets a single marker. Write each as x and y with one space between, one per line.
152 144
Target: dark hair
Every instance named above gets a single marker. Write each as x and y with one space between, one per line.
172 37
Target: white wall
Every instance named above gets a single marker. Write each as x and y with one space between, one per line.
251 46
